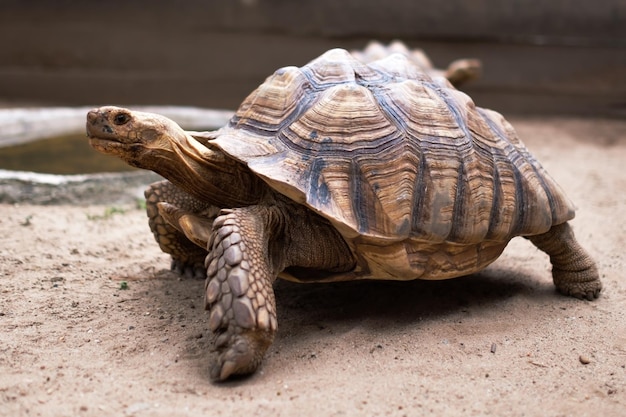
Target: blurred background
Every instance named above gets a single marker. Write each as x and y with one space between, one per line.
558 57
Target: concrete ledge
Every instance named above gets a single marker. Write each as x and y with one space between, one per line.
108 188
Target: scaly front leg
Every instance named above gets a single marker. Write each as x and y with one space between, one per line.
239 293
187 257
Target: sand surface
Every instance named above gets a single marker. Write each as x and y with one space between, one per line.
501 342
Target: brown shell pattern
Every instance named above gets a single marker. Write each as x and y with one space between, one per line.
390 156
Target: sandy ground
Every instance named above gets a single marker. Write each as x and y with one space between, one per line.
501 342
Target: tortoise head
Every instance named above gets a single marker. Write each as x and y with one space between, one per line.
137 138
154 142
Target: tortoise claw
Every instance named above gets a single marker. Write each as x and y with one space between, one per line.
582 290
239 354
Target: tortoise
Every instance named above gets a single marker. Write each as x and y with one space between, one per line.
340 170
458 72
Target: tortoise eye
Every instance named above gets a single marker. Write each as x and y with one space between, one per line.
121 118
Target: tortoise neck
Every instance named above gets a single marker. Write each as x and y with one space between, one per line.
208 174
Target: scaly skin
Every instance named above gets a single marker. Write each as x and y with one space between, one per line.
187 257
239 290
573 271
248 248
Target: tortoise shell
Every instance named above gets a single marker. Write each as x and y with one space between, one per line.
458 72
375 51
420 182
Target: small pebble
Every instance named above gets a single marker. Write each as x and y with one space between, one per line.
584 359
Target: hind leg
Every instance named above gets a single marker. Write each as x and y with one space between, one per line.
187 257
573 270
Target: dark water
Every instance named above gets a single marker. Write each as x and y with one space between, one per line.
59 155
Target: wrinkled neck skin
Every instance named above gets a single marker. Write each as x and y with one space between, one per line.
205 172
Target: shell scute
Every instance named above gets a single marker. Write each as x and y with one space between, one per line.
357 123
337 66
267 109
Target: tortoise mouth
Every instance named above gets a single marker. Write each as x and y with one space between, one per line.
102 136
104 145
98 141
113 146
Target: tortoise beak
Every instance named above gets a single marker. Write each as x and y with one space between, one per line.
98 126
102 134
106 122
